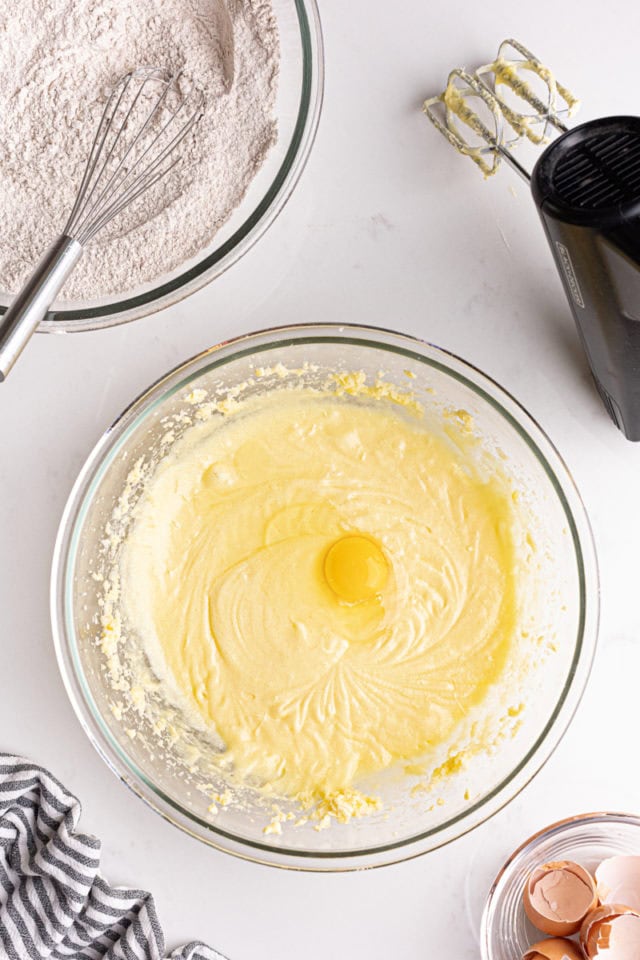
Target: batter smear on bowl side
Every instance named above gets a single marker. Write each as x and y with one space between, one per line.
326 584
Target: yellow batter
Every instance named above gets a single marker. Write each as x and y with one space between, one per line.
330 586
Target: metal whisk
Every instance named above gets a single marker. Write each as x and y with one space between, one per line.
145 119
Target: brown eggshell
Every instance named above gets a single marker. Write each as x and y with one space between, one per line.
556 949
551 925
618 881
593 921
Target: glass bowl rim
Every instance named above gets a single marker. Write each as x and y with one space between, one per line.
164 293
98 462
545 833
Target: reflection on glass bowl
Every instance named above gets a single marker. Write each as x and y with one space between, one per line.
560 594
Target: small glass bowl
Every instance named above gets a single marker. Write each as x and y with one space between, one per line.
297 113
588 839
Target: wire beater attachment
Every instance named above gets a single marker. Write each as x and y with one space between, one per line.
486 113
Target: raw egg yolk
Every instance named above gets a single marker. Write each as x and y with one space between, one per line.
355 568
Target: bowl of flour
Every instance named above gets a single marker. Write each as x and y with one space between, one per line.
258 66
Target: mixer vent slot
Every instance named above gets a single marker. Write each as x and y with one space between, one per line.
601 173
610 406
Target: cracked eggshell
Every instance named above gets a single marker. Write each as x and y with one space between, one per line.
618 881
555 949
612 932
557 897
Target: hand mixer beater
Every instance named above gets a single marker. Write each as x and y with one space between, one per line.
586 186
147 116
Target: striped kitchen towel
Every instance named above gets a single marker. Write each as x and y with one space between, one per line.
53 901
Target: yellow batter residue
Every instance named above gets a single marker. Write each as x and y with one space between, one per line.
326 584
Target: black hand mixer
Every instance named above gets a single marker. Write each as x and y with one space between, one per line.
586 186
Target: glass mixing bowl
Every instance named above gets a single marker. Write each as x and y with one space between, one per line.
297 111
587 839
561 597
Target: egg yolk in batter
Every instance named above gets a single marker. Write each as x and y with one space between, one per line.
327 585
355 568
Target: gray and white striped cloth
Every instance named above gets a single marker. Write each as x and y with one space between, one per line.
53 901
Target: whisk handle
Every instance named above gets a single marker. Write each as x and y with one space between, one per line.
32 303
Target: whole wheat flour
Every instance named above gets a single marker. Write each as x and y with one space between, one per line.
59 59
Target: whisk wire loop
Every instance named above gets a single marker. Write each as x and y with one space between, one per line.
124 161
85 191
107 125
144 180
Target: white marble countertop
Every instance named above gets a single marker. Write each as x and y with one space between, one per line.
387 227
